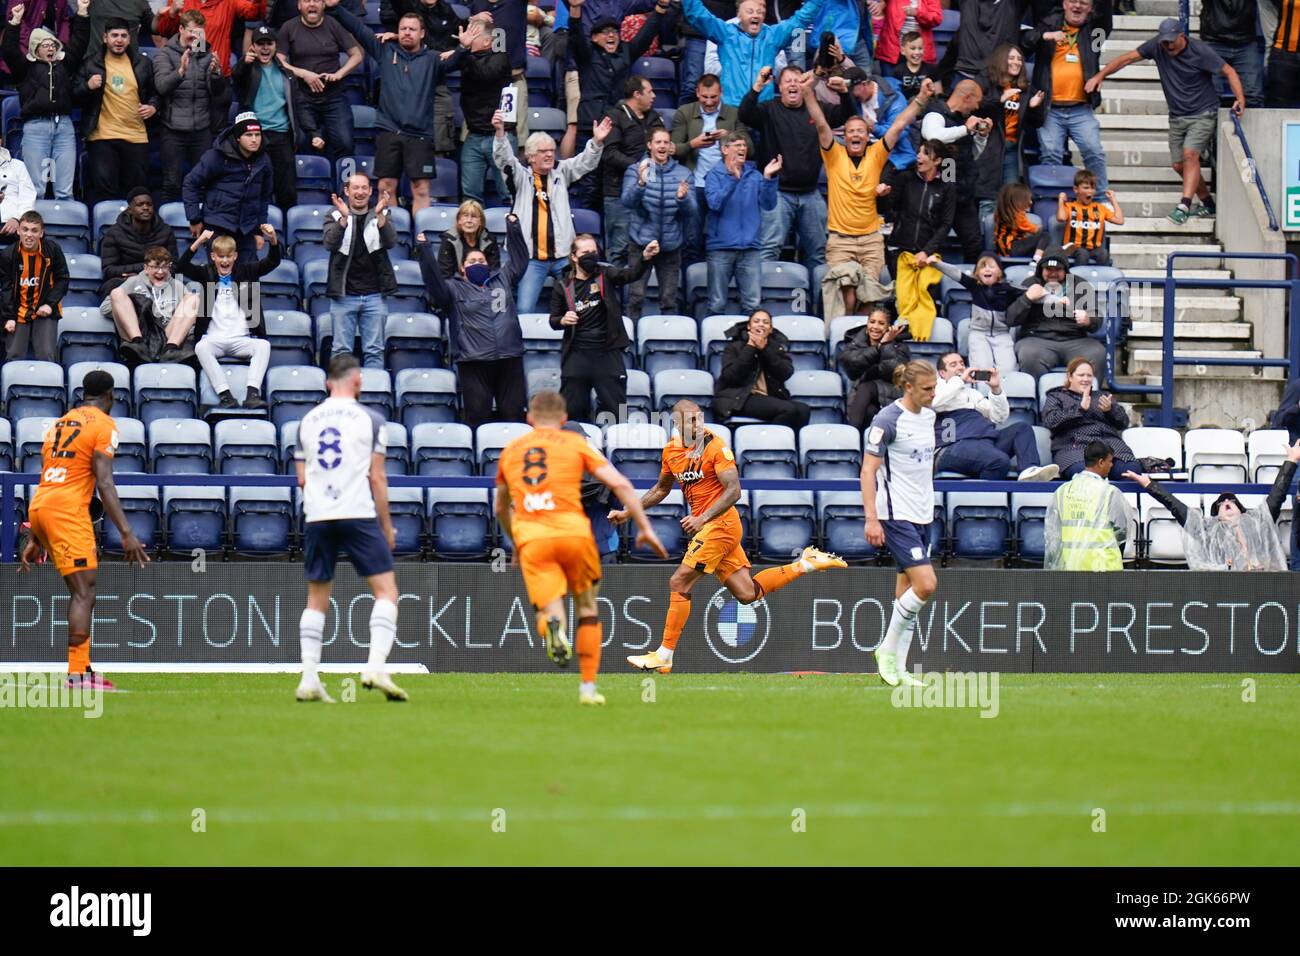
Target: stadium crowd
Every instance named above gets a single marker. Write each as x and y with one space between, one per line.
765 209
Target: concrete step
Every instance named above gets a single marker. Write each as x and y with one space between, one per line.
1153 280
1117 171
1202 334
1149 202
1121 99
1142 71
1146 122
1193 309
1149 14
1155 255
1160 225
1147 363
1216 399
1125 149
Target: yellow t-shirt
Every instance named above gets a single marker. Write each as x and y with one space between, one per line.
119 116
851 188
1067 70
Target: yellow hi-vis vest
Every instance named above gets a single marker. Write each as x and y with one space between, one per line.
1088 541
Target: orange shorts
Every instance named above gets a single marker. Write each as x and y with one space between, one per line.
716 549
69 539
554 567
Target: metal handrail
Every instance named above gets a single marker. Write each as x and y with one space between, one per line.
1254 170
1185 14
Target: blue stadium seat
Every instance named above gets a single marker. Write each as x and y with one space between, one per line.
67 222
666 342
543 379
586 220
807 335
86 335
6 445
830 451
541 342
290 335
785 523
236 381
143 516
281 288
121 385
636 448
660 71
545 119
406 508
377 391
103 216
315 279
979 523
165 391
1021 392
32 389
459 523
639 400
292 391
305 225
261 521
714 339
195 517
943 338
363 130
1048 182
412 340
180 446
445 185
245 447
397 453
842 518
491 437
766 451
288 442
173 213
426 395
442 449
84 278
411 295
434 220
1029 517
132 453
29 436
315 176
351 165
665 518
784 286
821 390
675 384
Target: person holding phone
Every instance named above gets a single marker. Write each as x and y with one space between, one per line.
971 436
697 131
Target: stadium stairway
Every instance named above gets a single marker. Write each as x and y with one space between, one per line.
1134 129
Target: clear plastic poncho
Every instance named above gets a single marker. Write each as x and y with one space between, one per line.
1247 543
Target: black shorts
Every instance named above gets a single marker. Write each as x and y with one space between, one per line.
396 153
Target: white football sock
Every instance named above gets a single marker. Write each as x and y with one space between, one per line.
587 688
900 622
310 628
383 631
665 654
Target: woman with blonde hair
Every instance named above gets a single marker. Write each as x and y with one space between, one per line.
468 235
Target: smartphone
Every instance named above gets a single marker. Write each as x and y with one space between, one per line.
981 375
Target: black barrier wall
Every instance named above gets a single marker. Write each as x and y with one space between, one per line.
460 617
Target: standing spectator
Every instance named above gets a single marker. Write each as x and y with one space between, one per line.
694 43
659 195
509 19
990 343
1020 110
230 189
153 312
409 73
1228 28
632 121
468 235
971 436
309 48
786 129
265 87
1052 330
901 19
45 73
541 189
871 353
1077 416
853 172
17 195
191 88
955 122
484 339
911 70
1187 70
360 272
483 74
983 26
737 195
1088 519
116 95
1014 233
55 17
220 17
698 128
1067 51
137 14
1085 221
33 282
232 325
746 46
922 207
755 366
1283 86
121 251
879 103
585 305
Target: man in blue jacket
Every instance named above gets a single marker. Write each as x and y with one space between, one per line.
737 195
230 189
658 194
746 47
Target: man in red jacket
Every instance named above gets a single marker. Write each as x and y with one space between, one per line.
218 15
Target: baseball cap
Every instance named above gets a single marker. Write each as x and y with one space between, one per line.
263 34
603 23
855 75
1171 28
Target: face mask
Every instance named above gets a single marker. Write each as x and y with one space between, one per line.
477 273
588 262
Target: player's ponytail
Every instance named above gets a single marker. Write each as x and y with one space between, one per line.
913 372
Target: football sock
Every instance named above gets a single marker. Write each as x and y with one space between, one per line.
905 639
771 580
906 608
310 628
1185 202
679 611
79 655
589 640
383 631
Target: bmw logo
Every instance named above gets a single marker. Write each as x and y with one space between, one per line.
736 632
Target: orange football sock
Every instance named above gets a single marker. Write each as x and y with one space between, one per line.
590 636
79 656
771 580
679 612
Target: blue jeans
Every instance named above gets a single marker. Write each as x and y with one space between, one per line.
693 249
807 212
50 154
1011 164
1248 61
617 221
1080 125
476 165
692 68
990 459
370 311
333 116
745 265
530 286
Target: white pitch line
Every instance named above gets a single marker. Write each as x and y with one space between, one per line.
624 814
142 668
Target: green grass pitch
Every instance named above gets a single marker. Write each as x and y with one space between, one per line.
507 769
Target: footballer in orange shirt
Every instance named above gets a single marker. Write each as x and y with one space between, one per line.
706 469
539 506
76 457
